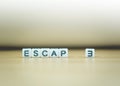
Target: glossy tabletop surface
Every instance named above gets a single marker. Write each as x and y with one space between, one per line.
76 70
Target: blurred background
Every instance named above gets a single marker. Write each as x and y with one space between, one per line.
59 23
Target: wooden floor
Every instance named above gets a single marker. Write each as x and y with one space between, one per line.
76 70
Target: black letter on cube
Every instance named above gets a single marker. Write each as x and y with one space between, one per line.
89 52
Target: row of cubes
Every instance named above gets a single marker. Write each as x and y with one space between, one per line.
52 52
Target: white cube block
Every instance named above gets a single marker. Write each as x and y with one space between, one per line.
63 52
54 52
36 52
26 52
45 52
90 52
